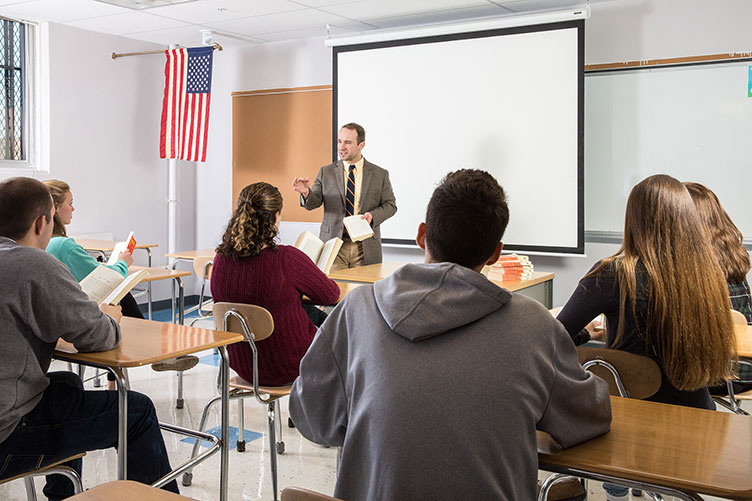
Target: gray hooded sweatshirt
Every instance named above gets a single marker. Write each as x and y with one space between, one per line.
434 381
40 302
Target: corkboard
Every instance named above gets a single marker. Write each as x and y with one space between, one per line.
278 134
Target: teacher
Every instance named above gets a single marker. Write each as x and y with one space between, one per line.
350 186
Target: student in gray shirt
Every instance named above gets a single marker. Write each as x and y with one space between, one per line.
46 417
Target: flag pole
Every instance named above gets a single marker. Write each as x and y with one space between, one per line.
172 202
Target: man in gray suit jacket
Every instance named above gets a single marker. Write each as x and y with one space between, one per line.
372 198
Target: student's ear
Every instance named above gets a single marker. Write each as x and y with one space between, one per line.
421 238
495 256
39 224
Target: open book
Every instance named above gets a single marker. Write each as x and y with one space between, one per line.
322 254
358 228
128 244
107 286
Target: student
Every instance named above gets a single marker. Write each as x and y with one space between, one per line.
79 262
46 417
726 240
434 380
663 295
251 268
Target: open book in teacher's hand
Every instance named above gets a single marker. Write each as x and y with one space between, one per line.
129 244
104 285
358 228
322 254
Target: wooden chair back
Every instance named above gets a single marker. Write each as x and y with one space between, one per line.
202 267
640 375
298 494
259 321
39 471
740 323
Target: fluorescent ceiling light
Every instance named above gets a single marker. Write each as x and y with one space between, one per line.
143 4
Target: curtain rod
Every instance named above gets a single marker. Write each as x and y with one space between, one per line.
215 46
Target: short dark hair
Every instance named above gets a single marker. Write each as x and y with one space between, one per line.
22 201
466 218
359 130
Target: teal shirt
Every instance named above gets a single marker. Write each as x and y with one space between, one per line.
79 262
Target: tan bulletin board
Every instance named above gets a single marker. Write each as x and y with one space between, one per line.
278 134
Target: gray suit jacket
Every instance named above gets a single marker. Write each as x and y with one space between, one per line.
376 197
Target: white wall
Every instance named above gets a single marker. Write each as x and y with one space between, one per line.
104 128
617 31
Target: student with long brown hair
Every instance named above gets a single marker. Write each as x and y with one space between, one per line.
250 267
663 294
726 240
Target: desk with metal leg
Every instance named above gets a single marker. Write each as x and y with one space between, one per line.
145 342
165 274
185 257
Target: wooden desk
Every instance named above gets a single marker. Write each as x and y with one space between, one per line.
165 274
744 342
663 448
191 255
145 342
104 247
539 287
126 490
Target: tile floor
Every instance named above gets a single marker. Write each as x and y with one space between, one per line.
303 464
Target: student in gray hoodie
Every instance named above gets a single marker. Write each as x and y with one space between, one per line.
434 380
46 417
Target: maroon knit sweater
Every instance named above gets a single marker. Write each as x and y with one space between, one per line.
276 280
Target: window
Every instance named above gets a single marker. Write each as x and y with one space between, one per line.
13 76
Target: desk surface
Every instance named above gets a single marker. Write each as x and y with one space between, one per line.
126 490
106 245
145 342
194 254
688 449
373 272
157 273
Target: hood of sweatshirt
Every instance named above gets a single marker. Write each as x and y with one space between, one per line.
421 301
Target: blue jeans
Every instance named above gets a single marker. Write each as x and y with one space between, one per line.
69 420
615 490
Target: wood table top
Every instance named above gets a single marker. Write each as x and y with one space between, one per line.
145 342
127 490
744 341
193 254
158 273
373 272
693 450
106 245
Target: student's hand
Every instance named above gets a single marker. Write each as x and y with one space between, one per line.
116 312
127 257
300 184
596 330
368 217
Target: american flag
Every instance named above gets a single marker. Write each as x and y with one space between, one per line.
185 109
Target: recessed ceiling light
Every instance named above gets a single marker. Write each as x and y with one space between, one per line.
143 4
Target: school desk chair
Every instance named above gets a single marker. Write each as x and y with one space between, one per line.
202 267
256 324
298 494
628 375
734 400
57 468
127 490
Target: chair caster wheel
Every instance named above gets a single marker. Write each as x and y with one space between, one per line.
241 446
179 403
290 424
187 479
280 447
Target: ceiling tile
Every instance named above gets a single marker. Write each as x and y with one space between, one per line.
190 36
321 3
318 31
58 11
444 16
539 5
285 21
367 9
206 11
130 22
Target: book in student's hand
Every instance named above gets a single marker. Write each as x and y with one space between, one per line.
322 254
106 286
358 228
126 245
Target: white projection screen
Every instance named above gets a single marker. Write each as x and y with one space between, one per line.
508 101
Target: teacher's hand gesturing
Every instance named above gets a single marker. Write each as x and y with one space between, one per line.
300 184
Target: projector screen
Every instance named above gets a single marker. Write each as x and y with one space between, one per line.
508 101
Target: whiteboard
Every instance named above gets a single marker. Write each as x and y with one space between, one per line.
508 102
691 122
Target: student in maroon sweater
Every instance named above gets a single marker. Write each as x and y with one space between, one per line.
251 268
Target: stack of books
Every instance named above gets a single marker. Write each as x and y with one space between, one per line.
511 267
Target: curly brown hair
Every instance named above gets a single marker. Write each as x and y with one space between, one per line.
252 226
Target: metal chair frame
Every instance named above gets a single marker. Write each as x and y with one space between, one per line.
273 418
